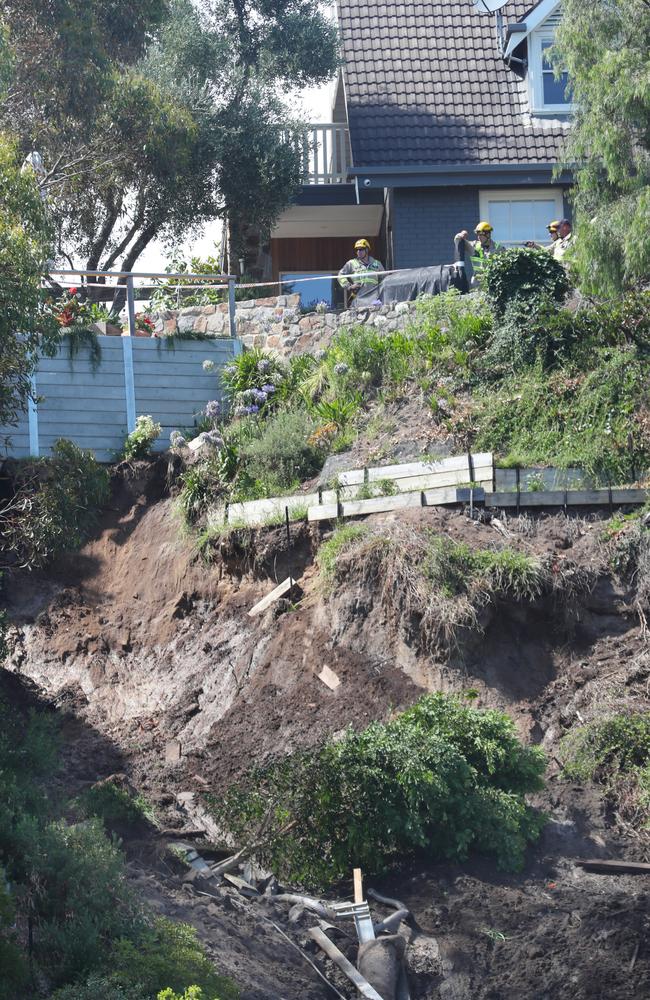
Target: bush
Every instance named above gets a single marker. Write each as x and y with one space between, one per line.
115 806
281 457
615 753
524 274
55 505
428 583
441 777
465 321
597 420
168 955
202 485
99 987
139 442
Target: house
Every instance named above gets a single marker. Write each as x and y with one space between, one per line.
445 114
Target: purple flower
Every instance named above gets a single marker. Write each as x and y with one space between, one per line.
230 370
212 409
240 411
268 389
264 366
341 368
253 408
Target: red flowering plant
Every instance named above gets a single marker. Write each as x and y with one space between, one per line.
68 309
144 323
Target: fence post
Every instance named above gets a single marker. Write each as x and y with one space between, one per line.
32 417
231 307
127 351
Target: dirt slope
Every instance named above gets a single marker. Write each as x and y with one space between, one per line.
142 642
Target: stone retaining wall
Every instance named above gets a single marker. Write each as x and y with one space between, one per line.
277 323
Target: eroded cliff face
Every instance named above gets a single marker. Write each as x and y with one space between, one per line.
143 642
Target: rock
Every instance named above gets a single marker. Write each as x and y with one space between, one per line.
334 466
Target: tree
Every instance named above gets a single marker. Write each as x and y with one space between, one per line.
25 244
171 122
604 46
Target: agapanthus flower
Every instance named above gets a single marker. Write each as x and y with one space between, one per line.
322 306
319 355
212 409
264 365
268 389
253 408
230 370
240 411
214 438
341 368
208 366
176 439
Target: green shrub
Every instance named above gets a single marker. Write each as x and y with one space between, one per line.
203 484
525 274
191 993
117 809
465 321
596 420
168 955
442 776
615 753
342 538
282 457
139 442
99 987
430 585
55 505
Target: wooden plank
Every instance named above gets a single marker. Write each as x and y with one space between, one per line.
257 511
556 498
457 463
323 512
381 505
604 866
358 885
279 591
330 949
74 404
329 678
553 478
66 390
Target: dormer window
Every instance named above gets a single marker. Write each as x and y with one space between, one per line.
548 95
527 44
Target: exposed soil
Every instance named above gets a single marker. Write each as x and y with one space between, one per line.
141 642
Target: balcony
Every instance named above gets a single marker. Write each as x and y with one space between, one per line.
326 154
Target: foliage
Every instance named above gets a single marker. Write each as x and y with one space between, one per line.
25 239
115 806
281 457
594 419
201 485
139 442
523 274
191 993
90 936
252 381
99 987
442 777
615 753
604 47
55 504
162 116
330 550
464 320
168 954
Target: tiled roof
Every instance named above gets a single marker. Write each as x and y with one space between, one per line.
425 84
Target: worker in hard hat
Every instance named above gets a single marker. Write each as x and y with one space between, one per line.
554 234
356 272
479 249
563 242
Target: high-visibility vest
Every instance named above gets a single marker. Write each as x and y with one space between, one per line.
479 256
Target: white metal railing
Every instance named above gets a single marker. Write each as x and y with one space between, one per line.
326 154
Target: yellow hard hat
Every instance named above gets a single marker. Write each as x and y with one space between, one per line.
483 227
553 226
362 245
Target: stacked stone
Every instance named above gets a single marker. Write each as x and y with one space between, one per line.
276 323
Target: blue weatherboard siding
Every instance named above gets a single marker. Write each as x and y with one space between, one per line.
89 406
425 221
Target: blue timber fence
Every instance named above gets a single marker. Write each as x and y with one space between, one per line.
96 406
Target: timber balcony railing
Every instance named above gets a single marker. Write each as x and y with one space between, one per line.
326 154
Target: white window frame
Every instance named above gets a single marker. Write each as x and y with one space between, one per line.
536 75
519 194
